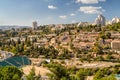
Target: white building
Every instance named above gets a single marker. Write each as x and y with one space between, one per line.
83 24
5 55
115 20
35 25
100 20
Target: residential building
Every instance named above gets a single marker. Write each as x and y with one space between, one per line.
83 24
5 55
115 45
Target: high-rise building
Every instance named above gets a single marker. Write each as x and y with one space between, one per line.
115 20
100 20
35 25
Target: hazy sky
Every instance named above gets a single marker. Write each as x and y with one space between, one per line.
23 12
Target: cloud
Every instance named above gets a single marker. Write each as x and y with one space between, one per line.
51 7
102 0
72 14
63 17
89 1
73 21
48 0
91 10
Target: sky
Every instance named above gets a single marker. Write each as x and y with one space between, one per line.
24 12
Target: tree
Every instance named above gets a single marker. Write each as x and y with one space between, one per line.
100 74
31 75
10 73
102 35
97 49
109 57
81 74
14 50
100 58
59 72
108 35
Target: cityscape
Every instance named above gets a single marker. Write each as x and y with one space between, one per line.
66 43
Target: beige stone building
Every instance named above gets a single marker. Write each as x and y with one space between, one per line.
115 45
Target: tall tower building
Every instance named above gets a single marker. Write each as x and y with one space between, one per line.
115 20
35 25
100 20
